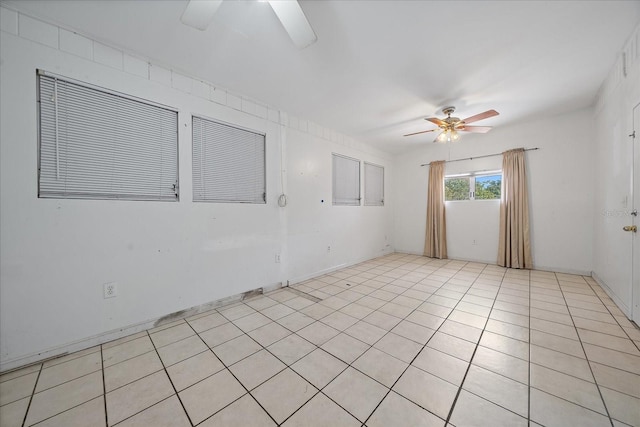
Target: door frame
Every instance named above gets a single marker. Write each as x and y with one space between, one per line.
634 220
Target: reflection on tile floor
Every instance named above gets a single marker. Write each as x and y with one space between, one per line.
400 340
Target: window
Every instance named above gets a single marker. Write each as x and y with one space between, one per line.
456 189
346 181
228 163
373 185
487 187
95 144
474 186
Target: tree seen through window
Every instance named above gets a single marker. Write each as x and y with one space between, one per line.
488 187
456 188
482 187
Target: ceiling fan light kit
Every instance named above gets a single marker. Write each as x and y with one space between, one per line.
450 126
448 136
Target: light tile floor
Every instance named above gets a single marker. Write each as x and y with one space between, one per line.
400 340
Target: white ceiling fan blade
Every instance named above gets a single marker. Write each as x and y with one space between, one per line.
199 13
293 20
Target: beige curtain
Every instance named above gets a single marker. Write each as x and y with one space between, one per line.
435 245
514 248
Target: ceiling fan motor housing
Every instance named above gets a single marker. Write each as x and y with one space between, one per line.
450 121
450 125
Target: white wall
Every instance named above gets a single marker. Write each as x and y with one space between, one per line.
614 150
560 180
314 224
57 254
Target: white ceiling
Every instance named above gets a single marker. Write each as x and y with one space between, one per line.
378 67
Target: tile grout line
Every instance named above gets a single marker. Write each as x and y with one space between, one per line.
507 354
455 399
320 391
304 294
141 378
612 315
51 359
20 376
33 392
275 321
130 358
104 389
268 379
583 328
67 381
586 358
348 365
423 347
131 382
232 374
319 347
529 361
164 368
65 410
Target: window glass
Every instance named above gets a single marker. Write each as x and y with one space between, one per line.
488 187
456 188
473 186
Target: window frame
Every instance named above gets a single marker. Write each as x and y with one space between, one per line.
471 177
349 202
47 190
215 121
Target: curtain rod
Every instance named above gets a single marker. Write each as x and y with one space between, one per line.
478 157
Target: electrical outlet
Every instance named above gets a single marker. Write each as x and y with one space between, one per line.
277 258
110 290
474 242
328 249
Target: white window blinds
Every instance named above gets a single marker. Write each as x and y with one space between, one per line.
100 145
228 163
373 185
346 181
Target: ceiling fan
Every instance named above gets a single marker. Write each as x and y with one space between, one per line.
450 126
199 14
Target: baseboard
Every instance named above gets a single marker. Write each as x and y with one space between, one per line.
449 258
82 344
621 305
480 261
300 279
408 252
562 270
58 351
535 267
